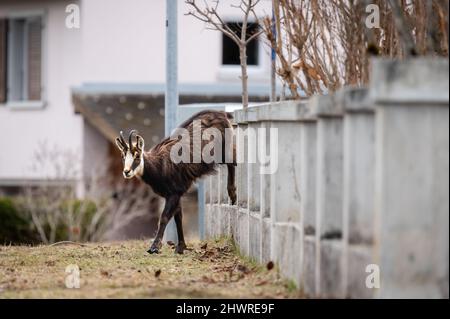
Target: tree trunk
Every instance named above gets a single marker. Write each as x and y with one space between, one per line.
244 76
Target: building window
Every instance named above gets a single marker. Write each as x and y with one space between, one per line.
21 59
230 50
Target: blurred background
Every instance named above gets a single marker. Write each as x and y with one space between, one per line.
66 90
75 73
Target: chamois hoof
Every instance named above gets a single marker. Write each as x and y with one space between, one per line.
232 195
180 249
153 250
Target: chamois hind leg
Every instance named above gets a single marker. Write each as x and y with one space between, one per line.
229 152
179 223
231 187
170 208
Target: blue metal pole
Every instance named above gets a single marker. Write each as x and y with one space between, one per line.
171 97
273 83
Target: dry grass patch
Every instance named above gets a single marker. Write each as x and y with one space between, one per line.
210 269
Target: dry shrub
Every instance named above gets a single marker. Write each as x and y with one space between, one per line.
325 44
58 212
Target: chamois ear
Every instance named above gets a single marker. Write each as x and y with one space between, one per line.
140 143
120 145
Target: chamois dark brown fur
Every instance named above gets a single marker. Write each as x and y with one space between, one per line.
172 180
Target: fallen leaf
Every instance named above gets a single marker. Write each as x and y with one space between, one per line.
204 246
261 283
243 269
208 280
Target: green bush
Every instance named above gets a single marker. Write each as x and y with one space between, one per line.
17 227
14 226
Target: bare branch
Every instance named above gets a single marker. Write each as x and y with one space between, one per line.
254 36
210 15
405 34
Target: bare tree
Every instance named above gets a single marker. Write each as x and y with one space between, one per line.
208 13
52 199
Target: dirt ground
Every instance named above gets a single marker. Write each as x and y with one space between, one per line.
210 269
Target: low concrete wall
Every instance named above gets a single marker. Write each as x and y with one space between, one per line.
358 206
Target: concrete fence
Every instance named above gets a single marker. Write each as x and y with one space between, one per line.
358 206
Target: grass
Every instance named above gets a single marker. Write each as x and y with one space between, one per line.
211 269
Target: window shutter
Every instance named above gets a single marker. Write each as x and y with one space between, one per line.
34 59
2 60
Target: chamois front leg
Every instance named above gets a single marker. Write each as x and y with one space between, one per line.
231 186
179 222
170 208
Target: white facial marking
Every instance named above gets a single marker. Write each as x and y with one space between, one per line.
128 162
139 171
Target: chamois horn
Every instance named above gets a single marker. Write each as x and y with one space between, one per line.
122 139
131 137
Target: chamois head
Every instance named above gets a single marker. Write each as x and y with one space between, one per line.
132 154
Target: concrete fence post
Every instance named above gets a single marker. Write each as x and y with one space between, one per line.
253 180
207 219
266 224
242 223
286 235
308 154
223 213
234 209
358 191
328 196
412 177
215 198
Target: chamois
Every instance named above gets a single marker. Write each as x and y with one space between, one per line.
171 180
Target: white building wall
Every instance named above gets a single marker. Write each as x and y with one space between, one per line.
124 41
21 130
